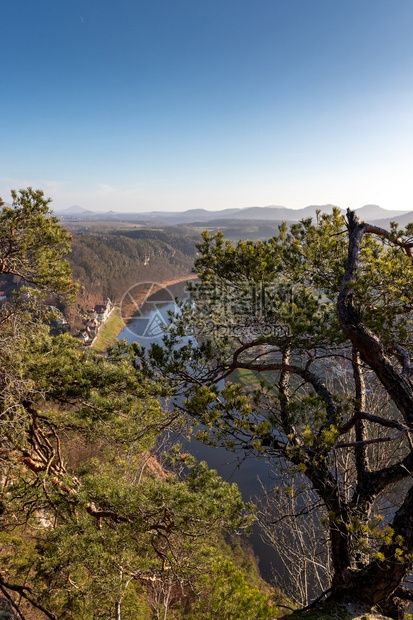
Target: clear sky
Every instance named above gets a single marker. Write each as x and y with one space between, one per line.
141 105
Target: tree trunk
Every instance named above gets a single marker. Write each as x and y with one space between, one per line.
370 348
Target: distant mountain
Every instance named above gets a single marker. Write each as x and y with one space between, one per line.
269 213
272 213
189 216
374 212
402 220
75 210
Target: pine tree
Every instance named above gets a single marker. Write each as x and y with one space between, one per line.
301 353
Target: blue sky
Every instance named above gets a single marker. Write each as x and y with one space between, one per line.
178 104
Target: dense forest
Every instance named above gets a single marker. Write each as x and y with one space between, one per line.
108 264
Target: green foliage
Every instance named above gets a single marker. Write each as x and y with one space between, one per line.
320 315
226 595
93 525
163 532
262 300
33 245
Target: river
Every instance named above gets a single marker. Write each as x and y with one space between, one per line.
146 327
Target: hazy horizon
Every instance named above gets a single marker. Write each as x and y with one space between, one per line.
238 209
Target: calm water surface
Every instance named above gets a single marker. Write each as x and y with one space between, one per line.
232 467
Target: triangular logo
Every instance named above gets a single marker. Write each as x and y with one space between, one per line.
156 326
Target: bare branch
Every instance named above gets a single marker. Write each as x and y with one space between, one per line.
381 232
368 442
319 387
24 591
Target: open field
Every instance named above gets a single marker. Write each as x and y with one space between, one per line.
109 332
247 378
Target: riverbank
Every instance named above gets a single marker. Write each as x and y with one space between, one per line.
117 321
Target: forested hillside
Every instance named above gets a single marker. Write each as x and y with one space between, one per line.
107 264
